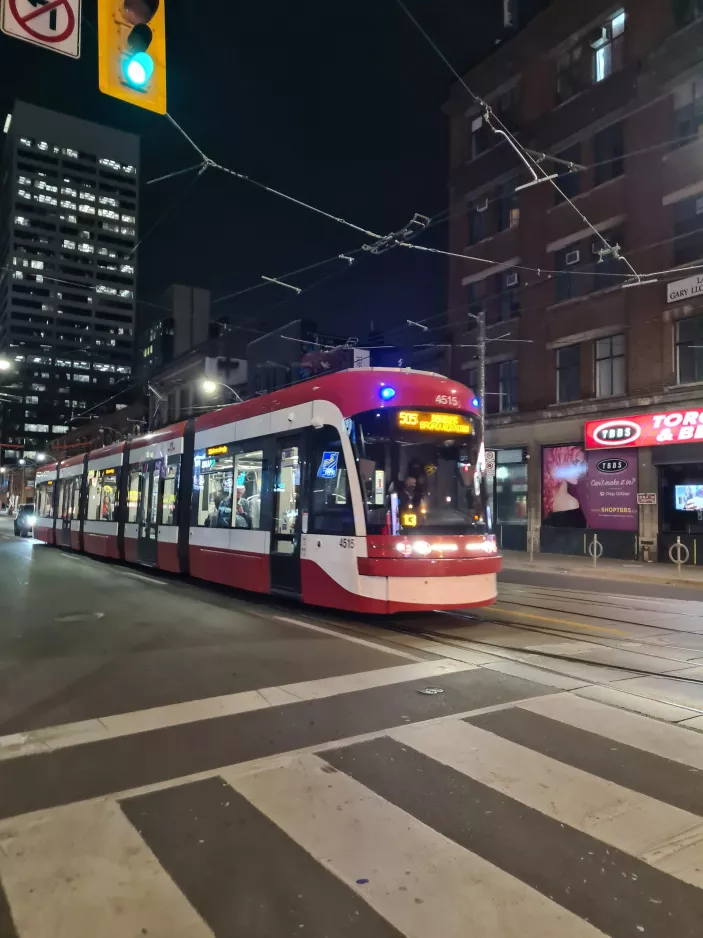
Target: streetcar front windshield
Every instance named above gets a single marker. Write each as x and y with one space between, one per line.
419 471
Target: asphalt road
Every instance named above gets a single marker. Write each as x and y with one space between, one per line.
179 761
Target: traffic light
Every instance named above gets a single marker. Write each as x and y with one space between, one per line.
132 52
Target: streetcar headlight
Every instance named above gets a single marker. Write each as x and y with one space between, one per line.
404 548
422 548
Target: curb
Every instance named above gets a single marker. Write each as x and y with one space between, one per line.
602 574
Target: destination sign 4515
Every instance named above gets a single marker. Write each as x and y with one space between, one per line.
674 426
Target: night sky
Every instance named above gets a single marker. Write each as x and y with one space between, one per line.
337 104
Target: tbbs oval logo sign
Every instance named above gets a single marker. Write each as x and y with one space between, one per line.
615 432
612 465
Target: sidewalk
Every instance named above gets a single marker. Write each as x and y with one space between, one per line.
626 570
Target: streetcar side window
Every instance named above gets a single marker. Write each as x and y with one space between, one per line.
213 478
133 495
45 500
102 501
331 509
249 483
169 506
77 486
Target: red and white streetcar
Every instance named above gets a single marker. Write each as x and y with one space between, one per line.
361 490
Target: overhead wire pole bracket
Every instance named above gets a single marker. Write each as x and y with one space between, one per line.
280 283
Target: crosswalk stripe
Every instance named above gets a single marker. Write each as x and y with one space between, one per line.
416 878
612 890
85 871
679 745
242 873
106 767
673 783
665 837
191 711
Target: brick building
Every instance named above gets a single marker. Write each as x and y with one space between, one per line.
617 89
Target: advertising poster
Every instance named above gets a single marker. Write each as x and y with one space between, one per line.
594 490
612 490
564 489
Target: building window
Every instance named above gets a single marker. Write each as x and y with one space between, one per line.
610 366
687 12
609 151
508 289
474 301
608 48
571 77
569 180
568 373
571 281
507 386
689 350
482 137
508 207
688 230
688 110
477 222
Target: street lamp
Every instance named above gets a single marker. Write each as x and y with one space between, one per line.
210 387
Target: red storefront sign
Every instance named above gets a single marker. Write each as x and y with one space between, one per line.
672 426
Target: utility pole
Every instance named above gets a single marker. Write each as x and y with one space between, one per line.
482 367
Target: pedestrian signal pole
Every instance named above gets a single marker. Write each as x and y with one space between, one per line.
132 52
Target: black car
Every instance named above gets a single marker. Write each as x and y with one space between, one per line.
25 521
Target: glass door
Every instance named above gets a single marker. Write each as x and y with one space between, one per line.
285 537
149 512
64 509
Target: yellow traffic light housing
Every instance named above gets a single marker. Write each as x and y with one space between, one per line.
132 52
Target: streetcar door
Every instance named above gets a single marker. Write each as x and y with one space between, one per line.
285 536
149 513
64 510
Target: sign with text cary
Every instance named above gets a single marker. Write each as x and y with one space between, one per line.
671 426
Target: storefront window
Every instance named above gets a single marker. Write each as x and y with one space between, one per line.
563 486
511 487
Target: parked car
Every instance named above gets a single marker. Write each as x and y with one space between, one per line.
25 521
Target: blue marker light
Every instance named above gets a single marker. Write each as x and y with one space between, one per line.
387 393
475 402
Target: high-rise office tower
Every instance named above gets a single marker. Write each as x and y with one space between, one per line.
68 229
